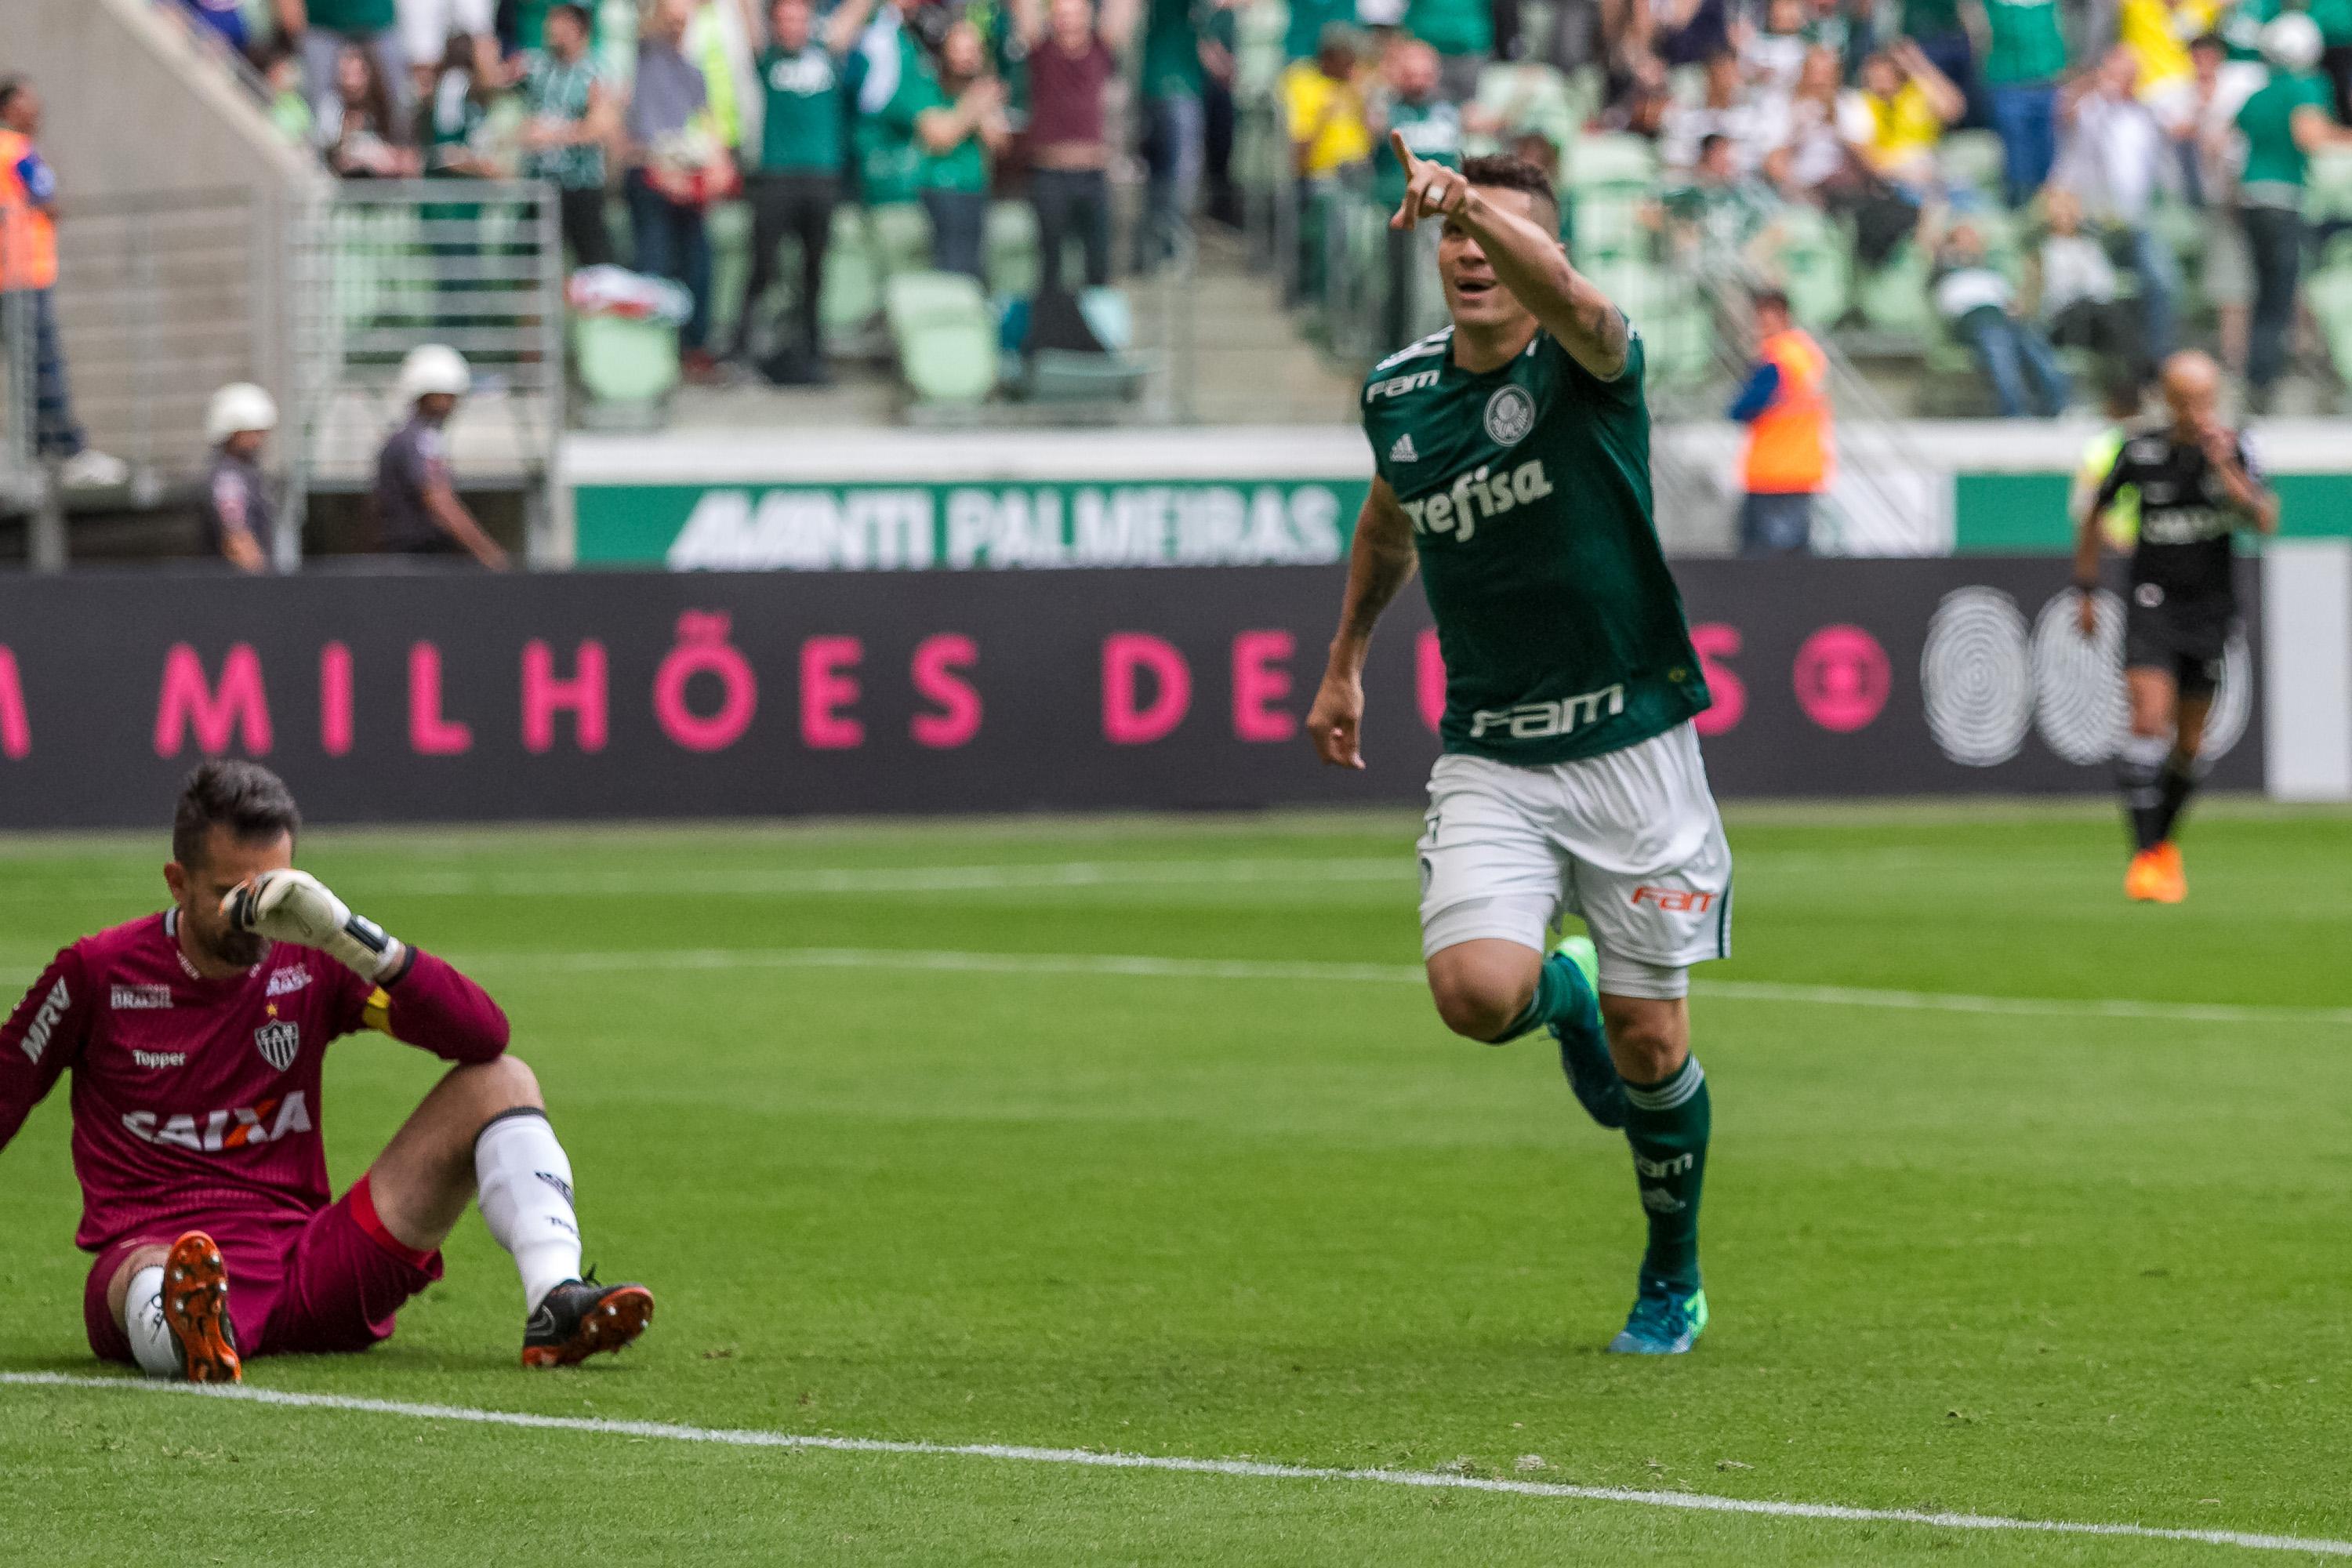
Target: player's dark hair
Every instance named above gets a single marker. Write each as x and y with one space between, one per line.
1507 172
247 799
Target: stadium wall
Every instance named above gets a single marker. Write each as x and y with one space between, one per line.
450 697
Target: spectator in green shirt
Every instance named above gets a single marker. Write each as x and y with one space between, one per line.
2283 123
796 177
957 111
1412 105
1463 34
2025 55
1936 26
573 117
1175 125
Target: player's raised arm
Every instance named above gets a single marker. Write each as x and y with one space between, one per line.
1527 259
1380 563
424 1002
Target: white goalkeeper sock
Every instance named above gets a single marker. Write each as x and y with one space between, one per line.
522 1182
151 1345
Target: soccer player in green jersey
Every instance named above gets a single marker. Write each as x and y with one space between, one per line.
1513 451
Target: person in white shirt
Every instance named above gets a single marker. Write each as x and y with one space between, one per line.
2113 159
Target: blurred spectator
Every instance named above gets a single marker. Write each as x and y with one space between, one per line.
572 119
2156 34
237 516
1771 56
2211 150
1934 31
323 28
1073 53
1302 33
1654 35
289 111
418 512
2074 292
1408 103
797 180
2119 400
679 169
1785 404
1898 115
2024 57
1518 97
1729 111
1817 153
1324 102
1174 125
1220 113
428 28
1462 32
454 122
1710 217
958 119
2283 123
28 266
2115 160
364 136
1977 302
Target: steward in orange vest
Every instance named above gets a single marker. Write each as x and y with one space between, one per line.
1786 408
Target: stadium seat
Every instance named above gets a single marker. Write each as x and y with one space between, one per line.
2327 294
625 365
1814 259
2327 187
945 335
1894 297
1972 159
1010 256
901 237
853 280
1611 159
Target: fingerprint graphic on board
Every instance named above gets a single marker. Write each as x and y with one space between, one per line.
2079 703
1977 677
2233 700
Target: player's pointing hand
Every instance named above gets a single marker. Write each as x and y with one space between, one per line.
1431 190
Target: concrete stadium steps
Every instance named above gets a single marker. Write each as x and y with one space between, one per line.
1250 364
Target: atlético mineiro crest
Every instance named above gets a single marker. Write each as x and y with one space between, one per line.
1510 414
279 1041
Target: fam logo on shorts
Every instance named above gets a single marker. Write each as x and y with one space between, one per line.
279 1041
1510 414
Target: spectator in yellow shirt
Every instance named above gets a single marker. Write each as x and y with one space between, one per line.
1325 102
1897 116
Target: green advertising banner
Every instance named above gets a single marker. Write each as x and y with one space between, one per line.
960 527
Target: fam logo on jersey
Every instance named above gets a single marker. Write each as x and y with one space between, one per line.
1510 414
279 1042
134 998
37 1036
240 1127
1541 721
288 981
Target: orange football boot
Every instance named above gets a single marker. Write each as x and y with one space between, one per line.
2171 878
196 1309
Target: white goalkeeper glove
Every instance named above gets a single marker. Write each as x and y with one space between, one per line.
296 907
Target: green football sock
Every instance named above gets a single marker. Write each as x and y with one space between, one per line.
1554 1001
1667 1125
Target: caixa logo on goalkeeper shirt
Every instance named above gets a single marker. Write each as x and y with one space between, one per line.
241 1127
1471 498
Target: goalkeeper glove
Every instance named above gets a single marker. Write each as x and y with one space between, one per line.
296 907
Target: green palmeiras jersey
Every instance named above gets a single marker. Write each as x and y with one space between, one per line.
1528 488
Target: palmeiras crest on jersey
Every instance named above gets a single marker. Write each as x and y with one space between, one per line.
1510 414
278 1041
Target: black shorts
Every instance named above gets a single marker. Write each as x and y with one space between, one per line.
2185 641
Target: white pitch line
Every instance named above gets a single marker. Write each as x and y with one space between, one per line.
1142 966
1438 1480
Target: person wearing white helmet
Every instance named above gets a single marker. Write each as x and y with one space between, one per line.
2285 122
418 512
238 519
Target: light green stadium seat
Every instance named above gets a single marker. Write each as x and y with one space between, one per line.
1529 95
853 280
2327 294
945 334
728 226
1609 159
1609 223
1971 158
1009 256
1814 263
1894 297
901 238
624 360
2327 187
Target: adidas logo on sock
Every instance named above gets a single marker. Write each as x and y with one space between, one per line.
1402 452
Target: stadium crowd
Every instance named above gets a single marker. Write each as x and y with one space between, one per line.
2037 183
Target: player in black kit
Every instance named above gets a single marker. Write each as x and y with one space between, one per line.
2198 485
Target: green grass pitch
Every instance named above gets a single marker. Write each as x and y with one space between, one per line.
2047 1264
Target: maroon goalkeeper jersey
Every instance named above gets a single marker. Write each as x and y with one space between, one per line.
197 1100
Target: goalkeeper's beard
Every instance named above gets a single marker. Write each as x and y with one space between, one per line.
242 949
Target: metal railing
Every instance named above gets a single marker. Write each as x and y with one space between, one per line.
382 266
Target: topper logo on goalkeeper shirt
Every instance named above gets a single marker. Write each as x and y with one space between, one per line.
1674 901
240 1127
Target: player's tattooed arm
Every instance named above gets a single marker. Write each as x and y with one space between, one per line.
1379 564
1532 265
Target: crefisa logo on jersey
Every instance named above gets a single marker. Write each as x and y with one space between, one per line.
278 1041
1510 414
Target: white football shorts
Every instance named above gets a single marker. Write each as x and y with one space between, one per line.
1630 840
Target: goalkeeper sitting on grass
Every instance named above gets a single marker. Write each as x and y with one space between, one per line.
196 1038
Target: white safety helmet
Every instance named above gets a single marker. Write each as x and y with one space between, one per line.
237 408
430 368
2292 43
